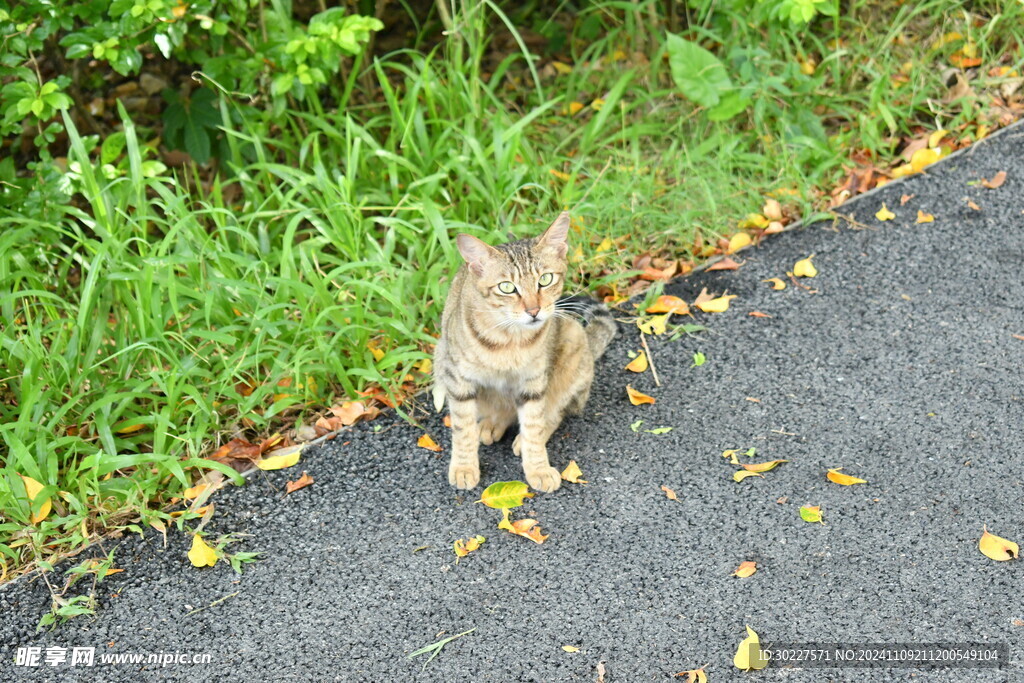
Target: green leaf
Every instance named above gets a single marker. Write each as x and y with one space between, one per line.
659 430
698 74
636 425
810 513
505 494
197 141
698 359
731 104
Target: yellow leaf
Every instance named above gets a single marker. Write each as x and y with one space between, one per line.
731 454
738 241
638 398
463 548
804 267
32 489
638 364
745 569
425 441
740 475
201 554
278 462
378 354
505 494
811 513
753 220
946 38
606 244
776 283
923 217
884 214
901 171
655 325
935 138
573 473
597 104
570 648
558 174
748 654
575 108
923 158
131 429
527 528
669 493
996 548
838 477
669 304
716 305
763 466
424 366
194 491
562 68
694 676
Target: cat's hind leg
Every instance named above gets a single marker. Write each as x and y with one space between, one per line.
496 416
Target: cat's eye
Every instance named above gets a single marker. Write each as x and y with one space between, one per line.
506 287
545 279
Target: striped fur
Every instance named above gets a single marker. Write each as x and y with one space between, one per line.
522 356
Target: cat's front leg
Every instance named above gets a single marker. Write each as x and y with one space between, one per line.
464 468
533 447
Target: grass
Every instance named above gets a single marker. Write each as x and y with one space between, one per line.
154 315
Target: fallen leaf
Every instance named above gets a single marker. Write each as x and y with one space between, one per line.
300 483
575 108
669 493
463 548
570 648
638 398
194 491
201 554
996 548
237 448
527 528
748 655
131 429
763 466
776 283
997 180
597 104
772 210
636 426
923 158
717 305
638 364
753 220
505 494
573 473
655 325
740 475
564 177
448 421
884 214
838 477
739 241
703 297
725 264
758 314
906 198
659 430
731 454
774 227
32 489
351 412
811 513
278 462
805 268
425 441
693 676
923 217
377 353
972 205
745 569
698 359
669 304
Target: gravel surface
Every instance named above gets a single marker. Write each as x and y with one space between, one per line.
898 363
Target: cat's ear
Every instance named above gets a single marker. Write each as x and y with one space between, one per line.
557 235
478 254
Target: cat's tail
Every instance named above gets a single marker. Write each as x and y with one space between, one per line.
597 319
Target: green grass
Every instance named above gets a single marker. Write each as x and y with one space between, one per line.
133 315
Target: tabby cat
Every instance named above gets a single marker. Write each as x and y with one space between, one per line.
512 351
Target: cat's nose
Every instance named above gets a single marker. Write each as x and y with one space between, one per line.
533 312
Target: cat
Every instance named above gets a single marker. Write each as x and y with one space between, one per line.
512 351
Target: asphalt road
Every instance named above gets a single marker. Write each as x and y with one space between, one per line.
901 366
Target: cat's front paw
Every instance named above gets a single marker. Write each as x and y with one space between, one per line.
463 476
545 479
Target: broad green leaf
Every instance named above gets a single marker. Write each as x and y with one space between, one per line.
730 104
698 74
505 494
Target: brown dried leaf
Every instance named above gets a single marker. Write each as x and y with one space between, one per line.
725 264
669 493
997 181
300 483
